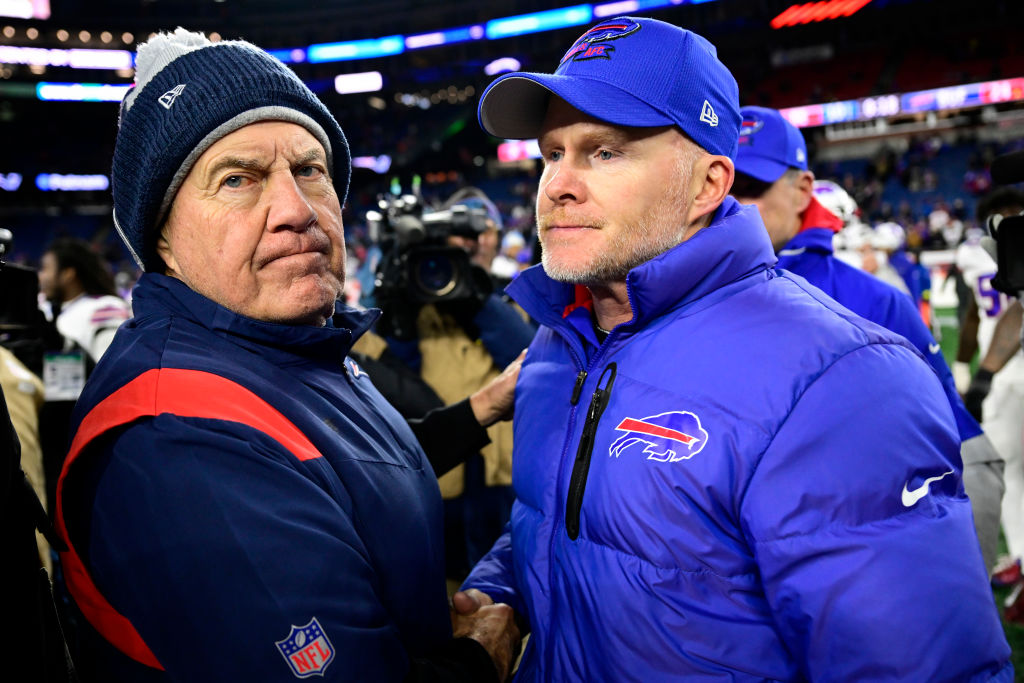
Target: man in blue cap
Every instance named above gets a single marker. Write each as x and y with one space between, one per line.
772 174
713 472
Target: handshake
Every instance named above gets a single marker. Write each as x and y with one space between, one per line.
476 616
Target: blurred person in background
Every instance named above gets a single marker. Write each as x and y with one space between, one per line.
82 303
995 394
239 502
772 173
24 393
856 242
83 299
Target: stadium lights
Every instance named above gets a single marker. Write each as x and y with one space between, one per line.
356 49
378 164
501 65
25 9
366 81
937 99
10 181
535 22
817 11
518 150
81 92
50 182
76 59
445 37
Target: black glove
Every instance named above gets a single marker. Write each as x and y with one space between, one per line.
977 390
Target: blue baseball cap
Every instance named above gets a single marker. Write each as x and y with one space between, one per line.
627 71
769 145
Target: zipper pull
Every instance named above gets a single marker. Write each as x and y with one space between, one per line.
578 389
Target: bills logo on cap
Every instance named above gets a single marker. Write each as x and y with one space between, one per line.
307 650
592 44
668 437
750 125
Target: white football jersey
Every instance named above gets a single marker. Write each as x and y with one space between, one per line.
978 269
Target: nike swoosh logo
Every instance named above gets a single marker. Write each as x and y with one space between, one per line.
909 498
934 348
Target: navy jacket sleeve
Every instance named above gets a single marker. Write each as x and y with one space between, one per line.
503 331
838 515
205 537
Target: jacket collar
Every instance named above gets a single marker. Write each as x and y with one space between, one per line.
160 295
809 239
736 244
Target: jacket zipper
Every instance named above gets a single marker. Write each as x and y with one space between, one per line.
578 482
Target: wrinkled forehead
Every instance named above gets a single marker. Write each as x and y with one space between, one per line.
266 141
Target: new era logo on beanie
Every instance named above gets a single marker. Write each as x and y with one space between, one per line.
167 99
189 93
627 71
769 145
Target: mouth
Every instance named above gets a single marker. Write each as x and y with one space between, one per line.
308 250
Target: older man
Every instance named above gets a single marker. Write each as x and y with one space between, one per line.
772 174
240 502
713 472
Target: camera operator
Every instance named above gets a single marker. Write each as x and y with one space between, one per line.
446 323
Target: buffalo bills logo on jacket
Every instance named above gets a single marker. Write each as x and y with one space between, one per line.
593 43
667 437
307 649
750 125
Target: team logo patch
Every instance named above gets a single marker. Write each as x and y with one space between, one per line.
307 650
593 43
748 127
356 370
668 437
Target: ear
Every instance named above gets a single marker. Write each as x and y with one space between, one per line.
804 187
163 250
709 186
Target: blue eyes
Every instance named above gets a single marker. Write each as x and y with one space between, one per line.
233 181
605 155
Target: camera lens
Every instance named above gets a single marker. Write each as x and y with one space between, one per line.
435 274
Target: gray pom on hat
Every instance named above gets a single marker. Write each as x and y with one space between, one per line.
189 93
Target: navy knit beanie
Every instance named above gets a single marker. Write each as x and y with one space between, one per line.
189 93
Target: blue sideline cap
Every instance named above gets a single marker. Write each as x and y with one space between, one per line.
627 71
769 145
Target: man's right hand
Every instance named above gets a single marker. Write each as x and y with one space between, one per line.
475 615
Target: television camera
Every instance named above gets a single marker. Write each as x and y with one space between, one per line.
418 266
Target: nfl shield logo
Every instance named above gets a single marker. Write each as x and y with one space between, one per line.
307 650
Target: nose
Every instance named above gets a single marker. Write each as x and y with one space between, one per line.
289 208
563 183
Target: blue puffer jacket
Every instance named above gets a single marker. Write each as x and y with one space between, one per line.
744 482
243 505
809 254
